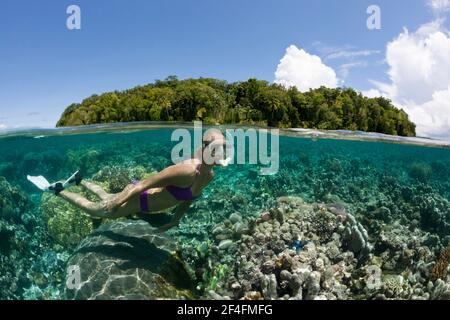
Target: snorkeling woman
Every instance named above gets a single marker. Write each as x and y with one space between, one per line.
179 184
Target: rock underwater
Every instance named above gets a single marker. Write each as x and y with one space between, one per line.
129 259
65 223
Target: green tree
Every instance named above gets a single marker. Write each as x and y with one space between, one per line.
252 101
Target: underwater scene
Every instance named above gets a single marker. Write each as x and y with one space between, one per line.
341 219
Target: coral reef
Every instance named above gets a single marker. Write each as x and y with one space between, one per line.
13 203
340 220
420 171
267 262
440 290
117 178
440 270
66 224
337 258
355 237
47 275
22 239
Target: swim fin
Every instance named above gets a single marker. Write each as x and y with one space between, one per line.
44 185
39 182
74 178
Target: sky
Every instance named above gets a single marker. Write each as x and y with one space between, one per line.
44 66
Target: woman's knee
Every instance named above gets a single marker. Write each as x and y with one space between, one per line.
100 210
96 210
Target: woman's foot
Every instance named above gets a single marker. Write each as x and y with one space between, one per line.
74 178
57 187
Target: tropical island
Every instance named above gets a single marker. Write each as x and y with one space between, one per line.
253 102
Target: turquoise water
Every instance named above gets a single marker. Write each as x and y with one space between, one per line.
380 182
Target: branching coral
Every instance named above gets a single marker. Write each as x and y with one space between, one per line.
212 279
440 269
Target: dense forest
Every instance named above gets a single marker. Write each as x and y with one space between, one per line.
249 102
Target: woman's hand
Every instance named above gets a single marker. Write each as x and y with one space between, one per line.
110 205
181 211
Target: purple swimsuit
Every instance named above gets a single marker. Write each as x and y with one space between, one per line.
143 199
179 193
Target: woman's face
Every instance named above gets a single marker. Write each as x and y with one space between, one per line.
214 152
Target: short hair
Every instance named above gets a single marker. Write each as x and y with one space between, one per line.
212 134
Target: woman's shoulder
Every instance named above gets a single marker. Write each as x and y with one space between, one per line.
185 168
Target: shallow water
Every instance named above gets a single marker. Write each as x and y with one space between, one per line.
351 169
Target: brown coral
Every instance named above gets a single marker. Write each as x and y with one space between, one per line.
440 269
253 295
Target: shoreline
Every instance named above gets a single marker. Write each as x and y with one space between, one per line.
288 132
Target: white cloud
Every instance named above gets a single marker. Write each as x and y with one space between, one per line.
345 54
419 63
325 49
344 68
433 117
419 72
2 126
372 93
303 70
350 56
439 5
385 89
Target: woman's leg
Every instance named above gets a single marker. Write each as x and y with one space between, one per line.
96 189
98 209
94 209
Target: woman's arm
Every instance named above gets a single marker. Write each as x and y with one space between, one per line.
174 175
179 213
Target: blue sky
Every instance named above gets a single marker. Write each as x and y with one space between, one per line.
44 66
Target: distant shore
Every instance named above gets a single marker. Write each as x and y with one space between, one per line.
252 102
291 132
